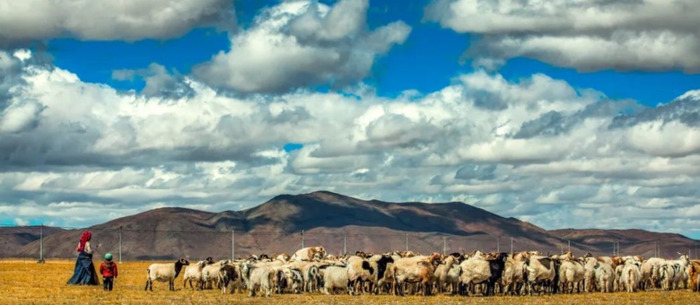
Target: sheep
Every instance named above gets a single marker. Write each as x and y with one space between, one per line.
617 283
258 277
543 270
651 271
194 273
681 276
359 270
334 277
414 269
309 254
515 273
381 264
312 278
475 270
598 275
694 275
210 273
227 275
571 273
441 272
164 273
631 276
292 279
497 264
604 275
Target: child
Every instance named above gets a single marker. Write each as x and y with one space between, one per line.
109 272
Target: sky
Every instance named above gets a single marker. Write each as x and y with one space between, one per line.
581 114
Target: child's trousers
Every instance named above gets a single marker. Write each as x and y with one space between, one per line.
108 283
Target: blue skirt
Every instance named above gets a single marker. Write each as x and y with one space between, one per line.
84 273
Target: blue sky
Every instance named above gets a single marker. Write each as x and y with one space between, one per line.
558 115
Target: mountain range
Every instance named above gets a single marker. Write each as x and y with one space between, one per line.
339 223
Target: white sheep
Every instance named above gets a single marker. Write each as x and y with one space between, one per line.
631 276
193 273
211 273
334 277
259 277
164 273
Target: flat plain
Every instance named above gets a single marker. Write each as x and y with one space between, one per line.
24 282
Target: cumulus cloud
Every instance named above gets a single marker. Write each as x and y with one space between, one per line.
588 35
535 148
302 43
22 21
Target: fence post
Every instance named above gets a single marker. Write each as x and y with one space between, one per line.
569 246
302 239
345 243
498 244
233 244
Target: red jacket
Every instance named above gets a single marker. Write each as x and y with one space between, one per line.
109 269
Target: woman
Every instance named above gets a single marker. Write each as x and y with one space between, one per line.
84 273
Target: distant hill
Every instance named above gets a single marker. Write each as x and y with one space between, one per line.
13 238
329 219
632 241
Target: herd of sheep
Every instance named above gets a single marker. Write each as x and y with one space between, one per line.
311 270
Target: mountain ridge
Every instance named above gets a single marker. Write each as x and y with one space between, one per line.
337 222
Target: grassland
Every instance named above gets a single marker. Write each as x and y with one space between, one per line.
26 282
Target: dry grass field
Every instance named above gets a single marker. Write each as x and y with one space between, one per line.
26 282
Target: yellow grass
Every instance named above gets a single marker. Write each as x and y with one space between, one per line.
26 282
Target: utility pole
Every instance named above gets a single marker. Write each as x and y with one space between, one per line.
41 244
511 245
345 243
120 244
619 253
656 249
444 245
302 239
406 242
614 253
233 244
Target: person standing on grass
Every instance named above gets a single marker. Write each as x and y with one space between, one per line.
84 273
109 272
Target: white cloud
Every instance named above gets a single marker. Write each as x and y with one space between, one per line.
302 43
19 117
21 222
535 148
108 20
655 35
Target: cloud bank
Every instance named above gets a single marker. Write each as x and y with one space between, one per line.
77 153
589 35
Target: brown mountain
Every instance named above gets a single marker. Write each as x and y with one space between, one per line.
332 220
13 238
